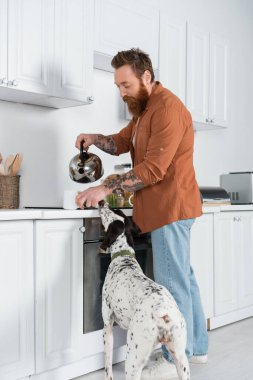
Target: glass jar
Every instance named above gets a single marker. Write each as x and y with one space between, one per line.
122 169
120 200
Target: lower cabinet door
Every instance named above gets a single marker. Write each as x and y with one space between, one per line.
246 260
227 251
16 300
59 307
202 260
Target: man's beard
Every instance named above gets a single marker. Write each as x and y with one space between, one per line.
136 105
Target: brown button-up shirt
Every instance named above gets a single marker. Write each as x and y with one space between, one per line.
163 160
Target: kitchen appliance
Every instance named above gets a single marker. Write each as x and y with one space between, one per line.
85 167
214 196
95 266
239 185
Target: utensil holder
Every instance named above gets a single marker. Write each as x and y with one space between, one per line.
9 191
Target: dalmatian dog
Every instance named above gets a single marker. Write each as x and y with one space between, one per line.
136 303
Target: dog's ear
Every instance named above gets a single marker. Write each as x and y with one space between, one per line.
130 229
119 212
116 228
135 230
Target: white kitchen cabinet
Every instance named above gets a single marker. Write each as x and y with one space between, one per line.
125 24
218 93
46 52
59 300
233 253
30 27
59 304
16 300
202 260
197 73
172 55
3 42
73 67
207 78
227 242
246 261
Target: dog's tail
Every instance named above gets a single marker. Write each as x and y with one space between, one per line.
166 324
163 327
172 334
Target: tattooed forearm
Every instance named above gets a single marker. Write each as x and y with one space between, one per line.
122 183
106 143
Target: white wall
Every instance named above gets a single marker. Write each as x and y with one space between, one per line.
47 136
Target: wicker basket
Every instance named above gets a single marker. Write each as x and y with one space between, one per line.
9 191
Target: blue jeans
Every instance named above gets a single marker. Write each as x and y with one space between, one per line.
172 269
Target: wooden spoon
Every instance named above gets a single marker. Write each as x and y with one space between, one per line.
2 172
8 163
15 167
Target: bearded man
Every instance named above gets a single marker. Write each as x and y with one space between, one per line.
160 138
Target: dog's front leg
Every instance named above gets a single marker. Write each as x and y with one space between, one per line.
108 349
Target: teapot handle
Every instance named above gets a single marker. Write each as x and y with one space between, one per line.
83 153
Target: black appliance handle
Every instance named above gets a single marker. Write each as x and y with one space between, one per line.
93 241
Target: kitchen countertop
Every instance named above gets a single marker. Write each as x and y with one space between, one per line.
23 213
50 213
19 214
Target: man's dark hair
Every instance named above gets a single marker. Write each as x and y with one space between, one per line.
136 59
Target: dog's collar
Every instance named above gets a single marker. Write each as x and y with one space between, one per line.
124 252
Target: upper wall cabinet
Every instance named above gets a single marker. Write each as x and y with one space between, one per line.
73 69
125 24
207 71
172 55
46 52
3 41
30 30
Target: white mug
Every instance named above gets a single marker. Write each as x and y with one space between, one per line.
69 197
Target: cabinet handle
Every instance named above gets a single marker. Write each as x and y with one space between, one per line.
3 81
90 99
13 83
211 120
82 229
237 218
207 120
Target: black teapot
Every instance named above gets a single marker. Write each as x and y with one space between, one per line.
85 167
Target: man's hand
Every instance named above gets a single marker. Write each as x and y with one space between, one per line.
88 139
105 143
91 196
